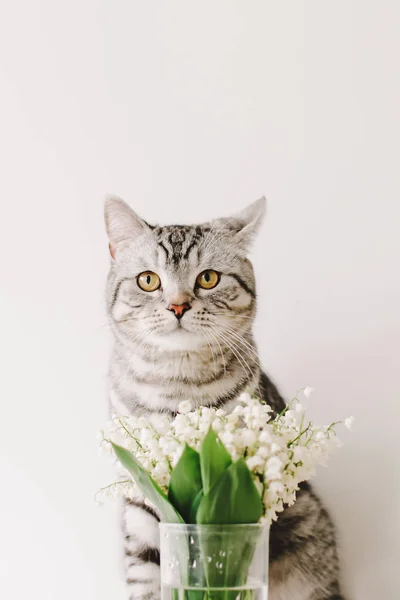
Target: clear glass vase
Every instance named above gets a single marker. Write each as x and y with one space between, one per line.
214 562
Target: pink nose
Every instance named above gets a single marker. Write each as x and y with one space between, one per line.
179 309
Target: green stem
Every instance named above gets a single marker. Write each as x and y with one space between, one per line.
129 433
333 425
107 487
300 434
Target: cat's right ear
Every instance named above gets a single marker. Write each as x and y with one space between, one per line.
122 224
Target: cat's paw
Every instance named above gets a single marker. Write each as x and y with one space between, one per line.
143 582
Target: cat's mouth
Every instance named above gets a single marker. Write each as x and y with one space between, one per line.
181 327
180 338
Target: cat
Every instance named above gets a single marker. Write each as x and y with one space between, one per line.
181 302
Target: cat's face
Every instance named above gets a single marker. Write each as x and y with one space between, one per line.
180 287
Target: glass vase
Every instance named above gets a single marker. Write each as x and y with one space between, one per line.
214 562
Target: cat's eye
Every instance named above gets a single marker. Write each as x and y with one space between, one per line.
148 281
208 279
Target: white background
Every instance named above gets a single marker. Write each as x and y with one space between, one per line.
190 110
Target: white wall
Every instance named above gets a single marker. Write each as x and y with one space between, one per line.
190 110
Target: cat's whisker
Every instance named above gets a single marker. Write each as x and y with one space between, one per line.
253 356
241 339
236 351
109 324
210 346
230 342
234 316
220 349
136 318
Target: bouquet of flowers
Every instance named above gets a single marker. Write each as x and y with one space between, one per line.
210 467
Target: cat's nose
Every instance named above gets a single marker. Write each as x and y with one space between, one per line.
179 309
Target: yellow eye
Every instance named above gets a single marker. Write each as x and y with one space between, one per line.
148 281
208 279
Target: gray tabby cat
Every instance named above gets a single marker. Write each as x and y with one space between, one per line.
181 302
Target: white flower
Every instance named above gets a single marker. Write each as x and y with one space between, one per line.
277 453
308 391
227 437
257 410
245 398
276 487
175 456
258 485
206 412
184 407
299 454
290 418
264 452
274 465
217 425
158 454
289 498
231 423
265 437
140 422
249 437
161 471
189 432
146 435
254 461
275 447
204 426
162 424
180 423
316 448
349 422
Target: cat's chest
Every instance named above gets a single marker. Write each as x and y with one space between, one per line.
162 382
169 368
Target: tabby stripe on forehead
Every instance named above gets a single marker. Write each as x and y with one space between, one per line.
189 248
195 241
177 253
242 283
165 250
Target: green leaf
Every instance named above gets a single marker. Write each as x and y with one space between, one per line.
185 483
214 459
147 485
233 499
195 506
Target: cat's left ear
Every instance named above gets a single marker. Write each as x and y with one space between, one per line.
123 225
250 220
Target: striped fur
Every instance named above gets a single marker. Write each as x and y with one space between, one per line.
208 356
